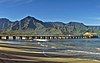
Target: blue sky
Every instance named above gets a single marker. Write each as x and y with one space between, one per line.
84 11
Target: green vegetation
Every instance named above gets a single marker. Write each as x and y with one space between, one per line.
32 26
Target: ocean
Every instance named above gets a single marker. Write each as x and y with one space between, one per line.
81 48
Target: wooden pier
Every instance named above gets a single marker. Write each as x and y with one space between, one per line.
26 37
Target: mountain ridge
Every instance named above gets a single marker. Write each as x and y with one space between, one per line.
33 26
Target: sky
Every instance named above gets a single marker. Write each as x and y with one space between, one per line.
83 11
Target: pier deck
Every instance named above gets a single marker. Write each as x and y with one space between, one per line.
27 37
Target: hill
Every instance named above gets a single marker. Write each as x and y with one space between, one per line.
32 26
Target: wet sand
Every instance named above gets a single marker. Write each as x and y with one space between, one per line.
18 55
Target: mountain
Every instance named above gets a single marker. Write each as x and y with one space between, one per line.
54 24
32 26
4 24
27 23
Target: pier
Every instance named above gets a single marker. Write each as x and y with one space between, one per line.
26 37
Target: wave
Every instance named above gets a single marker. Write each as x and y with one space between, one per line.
85 52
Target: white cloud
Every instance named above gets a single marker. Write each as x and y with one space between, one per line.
94 18
23 1
15 1
98 18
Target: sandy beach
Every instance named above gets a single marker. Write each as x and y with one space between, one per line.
18 55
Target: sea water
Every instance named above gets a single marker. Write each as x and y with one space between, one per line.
83 48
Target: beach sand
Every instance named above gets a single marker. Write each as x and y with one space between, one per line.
17 55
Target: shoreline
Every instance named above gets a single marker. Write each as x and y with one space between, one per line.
41 57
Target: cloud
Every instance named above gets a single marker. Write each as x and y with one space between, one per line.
98 18
23 1
94 18
15 2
